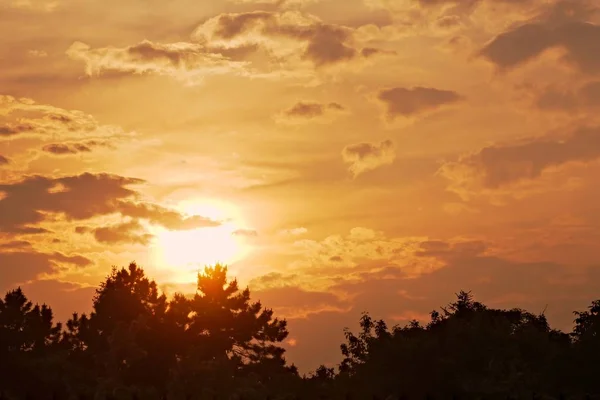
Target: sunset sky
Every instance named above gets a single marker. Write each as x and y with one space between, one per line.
340 155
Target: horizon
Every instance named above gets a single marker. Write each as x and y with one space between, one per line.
339 156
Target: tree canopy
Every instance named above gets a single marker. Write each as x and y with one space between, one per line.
218 342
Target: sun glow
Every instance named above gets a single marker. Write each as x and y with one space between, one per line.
186 252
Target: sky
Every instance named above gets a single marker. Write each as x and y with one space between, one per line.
340 156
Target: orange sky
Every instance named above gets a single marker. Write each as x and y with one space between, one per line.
341 155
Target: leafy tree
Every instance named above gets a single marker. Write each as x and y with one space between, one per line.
126 339
467 348
28 344
136 343
228 332
586 353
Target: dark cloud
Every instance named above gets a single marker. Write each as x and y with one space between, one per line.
163 216
182 56
74 148
231 25
325 43
82 229
223 45
364 157
585 97
468 6
62 149
12 129
81 197
311 110
16 244
23 265
124 233
76 197
429 3
497 166
368 52
562 26
402 102
4 160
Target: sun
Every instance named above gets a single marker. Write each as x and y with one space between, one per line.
186 252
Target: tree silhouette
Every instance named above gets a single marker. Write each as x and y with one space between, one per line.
28 342
218 343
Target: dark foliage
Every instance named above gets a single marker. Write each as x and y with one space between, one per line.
218 344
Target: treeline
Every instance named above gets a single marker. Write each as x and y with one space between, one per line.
219 344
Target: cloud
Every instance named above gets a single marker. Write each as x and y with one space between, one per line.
73 148
82 229
76 197
19 265
25 117
364 157
273 279
4 160
61 149
341 254
257 44
277 3
568 100
124 233
368 52
321 43
189 62
304 111
498 166
11 129
15 244
563 26
407 103
81 197
169 219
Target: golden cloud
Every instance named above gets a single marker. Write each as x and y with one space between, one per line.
565 25
305 111
81 197
254 44
364 157
408 103
20 264
131 232
502 166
